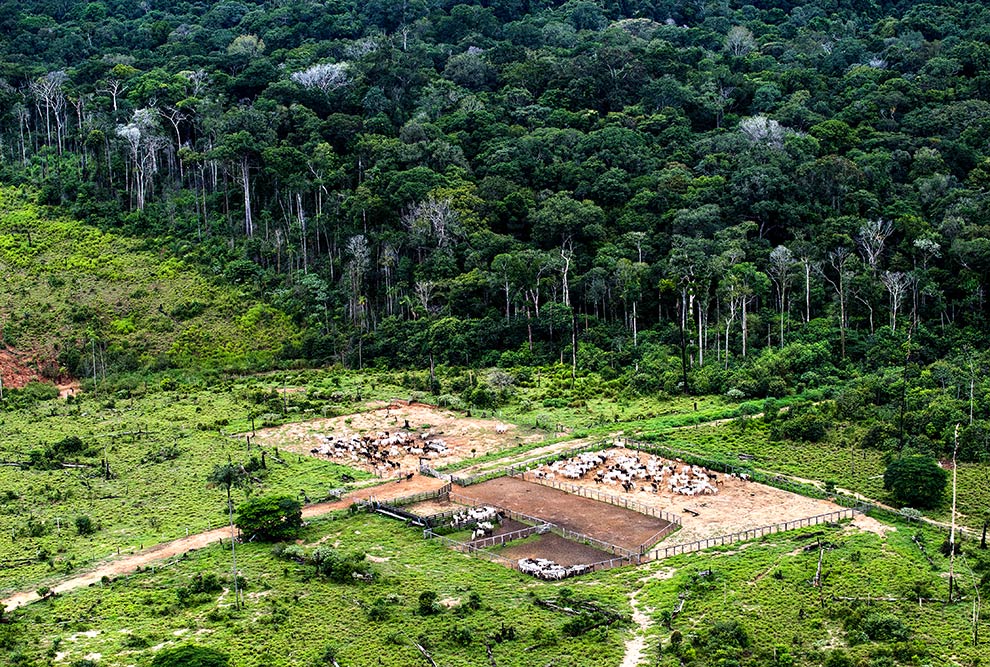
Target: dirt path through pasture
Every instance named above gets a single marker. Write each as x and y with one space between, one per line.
126 564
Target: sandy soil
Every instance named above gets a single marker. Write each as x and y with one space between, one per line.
739 505
127 564
431 507
461 434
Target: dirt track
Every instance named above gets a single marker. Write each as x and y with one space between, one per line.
127 564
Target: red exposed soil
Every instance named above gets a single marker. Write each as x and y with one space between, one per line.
17 369
14 370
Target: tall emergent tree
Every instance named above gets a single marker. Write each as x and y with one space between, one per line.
230 476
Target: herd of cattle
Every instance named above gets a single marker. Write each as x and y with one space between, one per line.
547 569
483 519
631 472
381 451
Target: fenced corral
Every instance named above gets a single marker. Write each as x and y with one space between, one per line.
395 507
481 549
469 548
509 513
518 468
776 481
750 534
496 540
566 533
601 545
430 471
595 494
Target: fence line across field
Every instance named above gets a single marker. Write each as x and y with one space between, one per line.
752 533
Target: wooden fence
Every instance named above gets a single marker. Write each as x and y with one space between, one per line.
601 545
675 550
496 540
595 494
523 466
442 492
474 549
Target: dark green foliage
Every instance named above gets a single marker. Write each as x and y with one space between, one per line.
69 448
838 658
190 655
341 568
880 626
270 518
85 525
427 604
915 481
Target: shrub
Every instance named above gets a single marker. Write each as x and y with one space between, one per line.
428 603
341 568
190 655
84 525
880 626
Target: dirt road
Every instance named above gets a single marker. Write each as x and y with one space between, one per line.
127 564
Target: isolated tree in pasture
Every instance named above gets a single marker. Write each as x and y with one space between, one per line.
270 518
916 481
228 477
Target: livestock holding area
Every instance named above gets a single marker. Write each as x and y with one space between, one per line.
587 509
391 439
707 503
568 512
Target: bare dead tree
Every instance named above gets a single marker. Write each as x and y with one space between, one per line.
897 283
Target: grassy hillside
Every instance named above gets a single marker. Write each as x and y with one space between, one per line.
161 437
74 297
750 604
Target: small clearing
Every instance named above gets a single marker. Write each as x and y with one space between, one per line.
465 437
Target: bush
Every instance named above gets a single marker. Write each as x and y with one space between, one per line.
190 655
270 517
428 603
880 626
84 525
341 568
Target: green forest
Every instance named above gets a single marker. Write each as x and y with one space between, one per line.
756 233
698 197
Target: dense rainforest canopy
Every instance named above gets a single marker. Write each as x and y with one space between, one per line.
750 198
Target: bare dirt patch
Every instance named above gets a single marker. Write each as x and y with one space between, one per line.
608 523
465 437
739 505
556 548
871 525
